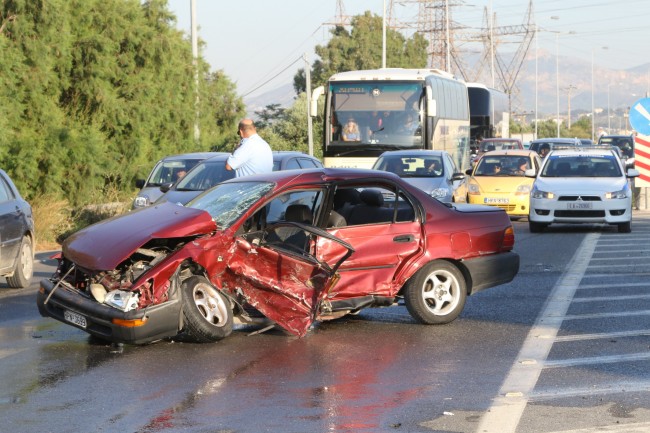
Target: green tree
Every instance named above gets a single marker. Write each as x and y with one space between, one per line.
361 48
95 91
269 115
290 131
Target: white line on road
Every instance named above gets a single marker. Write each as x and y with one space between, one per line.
508 407
602 335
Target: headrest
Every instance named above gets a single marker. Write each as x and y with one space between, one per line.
372 197
299 213
343 196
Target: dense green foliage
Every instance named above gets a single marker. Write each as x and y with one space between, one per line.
286 129
95 91
361 48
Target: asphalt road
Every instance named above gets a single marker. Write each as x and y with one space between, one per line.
563 348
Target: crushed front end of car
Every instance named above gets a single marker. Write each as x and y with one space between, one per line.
119 280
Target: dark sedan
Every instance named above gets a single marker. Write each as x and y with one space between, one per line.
16 235
287 248
212 171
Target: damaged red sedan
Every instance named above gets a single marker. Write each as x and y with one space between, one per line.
287 248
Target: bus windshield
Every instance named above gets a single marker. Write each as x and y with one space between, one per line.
386 114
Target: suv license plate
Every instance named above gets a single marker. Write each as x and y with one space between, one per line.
75 318
580 205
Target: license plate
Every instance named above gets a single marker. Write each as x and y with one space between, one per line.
580 205
75 318
491 200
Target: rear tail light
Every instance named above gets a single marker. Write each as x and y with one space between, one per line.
508 239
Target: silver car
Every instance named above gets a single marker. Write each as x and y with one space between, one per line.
166 171
432 171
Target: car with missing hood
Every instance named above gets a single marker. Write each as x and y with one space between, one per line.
288 248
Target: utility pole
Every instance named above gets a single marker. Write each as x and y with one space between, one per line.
195 56
568 89
310 134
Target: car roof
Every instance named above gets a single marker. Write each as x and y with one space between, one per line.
414 152
514 140
317 175
277 156
556 140
514 152
193 155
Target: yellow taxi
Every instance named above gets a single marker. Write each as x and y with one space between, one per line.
498 179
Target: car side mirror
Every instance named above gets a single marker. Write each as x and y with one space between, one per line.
468 171
139 183
166 186
632 172
530 173
458 176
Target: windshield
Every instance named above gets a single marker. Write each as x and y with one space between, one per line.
581 166
376 113
170 171
205 176
229 201
412 166
502 165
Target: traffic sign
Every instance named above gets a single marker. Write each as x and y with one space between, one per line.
640 116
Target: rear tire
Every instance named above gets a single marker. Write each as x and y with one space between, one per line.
208 316
24 269
625 227
436 293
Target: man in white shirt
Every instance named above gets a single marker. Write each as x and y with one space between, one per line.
253 155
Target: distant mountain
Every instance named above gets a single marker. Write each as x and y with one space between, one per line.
283 95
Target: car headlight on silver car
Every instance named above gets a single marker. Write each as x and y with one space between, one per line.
616 194
141 201
440 193
538 193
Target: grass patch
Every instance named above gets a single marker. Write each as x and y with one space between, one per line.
55 219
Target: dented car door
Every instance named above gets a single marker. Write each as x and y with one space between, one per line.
284 282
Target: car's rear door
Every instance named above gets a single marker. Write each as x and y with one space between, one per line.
383 245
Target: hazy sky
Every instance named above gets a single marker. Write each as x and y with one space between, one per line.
260 43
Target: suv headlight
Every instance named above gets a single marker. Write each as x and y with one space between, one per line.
141 201
538 193
616 194
473 188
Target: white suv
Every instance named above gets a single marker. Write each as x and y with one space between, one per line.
581 185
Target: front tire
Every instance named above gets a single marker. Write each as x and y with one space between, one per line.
24 269
536 227
625 227
207 314
436 294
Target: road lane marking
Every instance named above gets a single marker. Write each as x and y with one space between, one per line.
508 407
602 335
590 360
607 315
